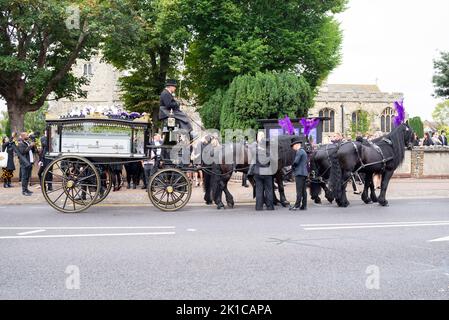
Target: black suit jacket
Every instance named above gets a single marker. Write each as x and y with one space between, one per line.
24 150
443 140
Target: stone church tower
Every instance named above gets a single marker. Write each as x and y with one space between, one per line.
103 89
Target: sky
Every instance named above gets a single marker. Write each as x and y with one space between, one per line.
394 42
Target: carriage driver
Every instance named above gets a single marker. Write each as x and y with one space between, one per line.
169 106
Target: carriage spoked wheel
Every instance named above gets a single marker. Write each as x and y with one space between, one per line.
71 184
169 189
105 185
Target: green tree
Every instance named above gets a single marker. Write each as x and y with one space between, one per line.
263 96
441 77
233 38
147 40
417 125
39 43
35 121
441 115
209 112
361 125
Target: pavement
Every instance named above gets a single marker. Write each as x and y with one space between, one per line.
115 252
398 189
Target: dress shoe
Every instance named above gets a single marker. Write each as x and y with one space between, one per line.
25 193
29 191
293 208
144 187
303 208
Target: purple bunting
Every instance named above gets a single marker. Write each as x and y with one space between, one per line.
287 125
399 119
308 125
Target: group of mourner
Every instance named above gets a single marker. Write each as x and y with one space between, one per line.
327 168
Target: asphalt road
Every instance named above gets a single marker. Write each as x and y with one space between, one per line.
362 252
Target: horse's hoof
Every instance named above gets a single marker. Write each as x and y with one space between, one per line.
384 204
220 206
317 201
208 203
285 204
374 200
231 205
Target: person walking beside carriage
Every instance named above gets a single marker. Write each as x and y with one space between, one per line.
263 176
300 172
8 171
27 149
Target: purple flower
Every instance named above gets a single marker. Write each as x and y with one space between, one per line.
399 119
287 125
308 125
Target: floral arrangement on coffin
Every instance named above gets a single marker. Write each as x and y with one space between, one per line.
107 113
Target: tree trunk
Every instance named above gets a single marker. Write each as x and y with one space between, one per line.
16 117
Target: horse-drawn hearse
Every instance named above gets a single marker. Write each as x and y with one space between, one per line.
83 149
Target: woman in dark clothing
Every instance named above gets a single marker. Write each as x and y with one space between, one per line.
116 176
427 140
8 172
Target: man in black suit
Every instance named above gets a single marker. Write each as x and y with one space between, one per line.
443 138
169 106
26 149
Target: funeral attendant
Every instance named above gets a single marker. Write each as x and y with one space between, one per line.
169 106
27 148
300 172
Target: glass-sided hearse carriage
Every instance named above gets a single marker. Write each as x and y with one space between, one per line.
83 151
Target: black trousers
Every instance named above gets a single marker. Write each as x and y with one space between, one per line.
301 192
49 176
264 192
147 171
25 177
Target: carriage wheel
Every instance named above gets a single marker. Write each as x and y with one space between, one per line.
169 189
105 185
71 184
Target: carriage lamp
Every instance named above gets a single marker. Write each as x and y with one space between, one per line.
171 121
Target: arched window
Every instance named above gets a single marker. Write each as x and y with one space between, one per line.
87 69
386 120
328 125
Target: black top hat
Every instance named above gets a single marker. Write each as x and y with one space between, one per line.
296 140
171 83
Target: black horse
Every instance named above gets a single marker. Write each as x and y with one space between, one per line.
381 156
320 170
221 172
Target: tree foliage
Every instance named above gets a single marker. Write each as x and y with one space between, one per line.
441 115
417 125
441 77
263 96
233 38
39 43
147 39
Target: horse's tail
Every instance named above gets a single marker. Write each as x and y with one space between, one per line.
336 178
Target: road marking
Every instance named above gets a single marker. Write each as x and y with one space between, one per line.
29 232
373 223
84 228
89 235
191 230
377 226
440 239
